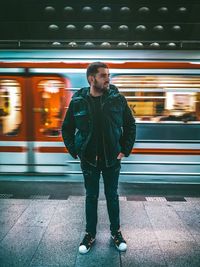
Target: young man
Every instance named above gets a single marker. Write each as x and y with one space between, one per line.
100 130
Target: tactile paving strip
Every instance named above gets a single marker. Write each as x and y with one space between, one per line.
159 199
6 195
39 197
121 198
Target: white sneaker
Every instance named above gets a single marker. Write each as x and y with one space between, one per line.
86 243
119 241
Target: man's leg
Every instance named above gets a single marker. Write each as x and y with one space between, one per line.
91 180
111 177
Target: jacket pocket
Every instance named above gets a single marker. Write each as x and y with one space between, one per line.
116 115
79 141
81 119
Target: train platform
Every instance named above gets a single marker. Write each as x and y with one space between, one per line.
42 224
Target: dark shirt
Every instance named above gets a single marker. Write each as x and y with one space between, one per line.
97 135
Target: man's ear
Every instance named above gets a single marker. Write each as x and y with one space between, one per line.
90 79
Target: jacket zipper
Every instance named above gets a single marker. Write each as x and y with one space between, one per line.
96 157
103 134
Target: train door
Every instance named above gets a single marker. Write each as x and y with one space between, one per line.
13 124
51 99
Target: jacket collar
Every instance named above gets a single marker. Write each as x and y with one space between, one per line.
85 92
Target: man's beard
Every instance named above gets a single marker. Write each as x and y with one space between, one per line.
100 89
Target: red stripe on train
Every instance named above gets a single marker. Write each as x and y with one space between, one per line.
166 151
13 149
134 151
121 65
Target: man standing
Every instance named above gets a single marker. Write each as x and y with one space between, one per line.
99 129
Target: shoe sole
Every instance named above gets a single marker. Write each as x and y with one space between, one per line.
82 253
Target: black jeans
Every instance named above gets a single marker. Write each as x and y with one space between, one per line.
91 179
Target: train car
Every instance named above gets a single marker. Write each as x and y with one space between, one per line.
162 89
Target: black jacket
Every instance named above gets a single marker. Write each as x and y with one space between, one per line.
119 128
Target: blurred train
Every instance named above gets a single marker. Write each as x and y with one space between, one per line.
162 89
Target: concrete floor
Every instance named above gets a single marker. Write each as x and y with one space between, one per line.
47 232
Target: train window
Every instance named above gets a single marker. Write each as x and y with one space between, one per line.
161 98
10 107
51 95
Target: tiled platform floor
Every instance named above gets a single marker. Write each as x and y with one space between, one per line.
44 233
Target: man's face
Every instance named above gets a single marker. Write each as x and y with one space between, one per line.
101 80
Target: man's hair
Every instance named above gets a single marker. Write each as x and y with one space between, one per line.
92 69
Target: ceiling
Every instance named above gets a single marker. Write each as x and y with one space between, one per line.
92 24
